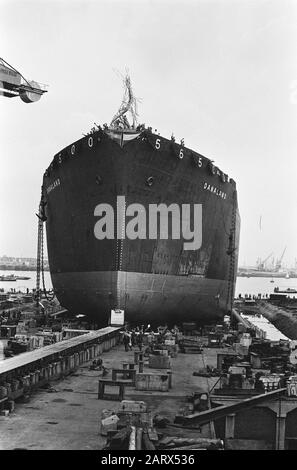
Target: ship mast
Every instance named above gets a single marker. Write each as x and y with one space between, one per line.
129 104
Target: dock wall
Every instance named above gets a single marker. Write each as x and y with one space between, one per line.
22 374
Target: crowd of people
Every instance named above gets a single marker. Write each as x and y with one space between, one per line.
133 338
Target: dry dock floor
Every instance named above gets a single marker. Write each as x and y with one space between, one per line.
66 416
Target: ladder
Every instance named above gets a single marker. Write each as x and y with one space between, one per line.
231 252
39 259
39 268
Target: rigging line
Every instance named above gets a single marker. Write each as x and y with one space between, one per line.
223 215
15 70
231 231
40 251
42 266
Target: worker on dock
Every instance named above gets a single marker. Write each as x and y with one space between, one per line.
127 340
140 339
133 338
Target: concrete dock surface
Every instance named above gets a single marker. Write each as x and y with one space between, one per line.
66 416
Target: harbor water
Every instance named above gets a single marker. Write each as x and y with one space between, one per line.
262 285
244 285
23 285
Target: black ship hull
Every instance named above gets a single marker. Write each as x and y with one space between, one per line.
153 280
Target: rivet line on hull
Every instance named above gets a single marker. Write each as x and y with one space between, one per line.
120 256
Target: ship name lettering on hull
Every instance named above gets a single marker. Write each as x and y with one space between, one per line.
214 190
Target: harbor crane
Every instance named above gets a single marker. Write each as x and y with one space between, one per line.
13 83
278 263
261 264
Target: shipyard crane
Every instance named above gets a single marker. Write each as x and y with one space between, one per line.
40 254
261 264
13 83
39 271
278 263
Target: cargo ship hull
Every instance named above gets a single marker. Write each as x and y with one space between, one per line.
145 297
270 274
153 280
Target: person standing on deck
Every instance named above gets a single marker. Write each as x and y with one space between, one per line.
126 340
140 340
130 341
133 338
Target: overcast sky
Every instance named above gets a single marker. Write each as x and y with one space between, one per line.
220 74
